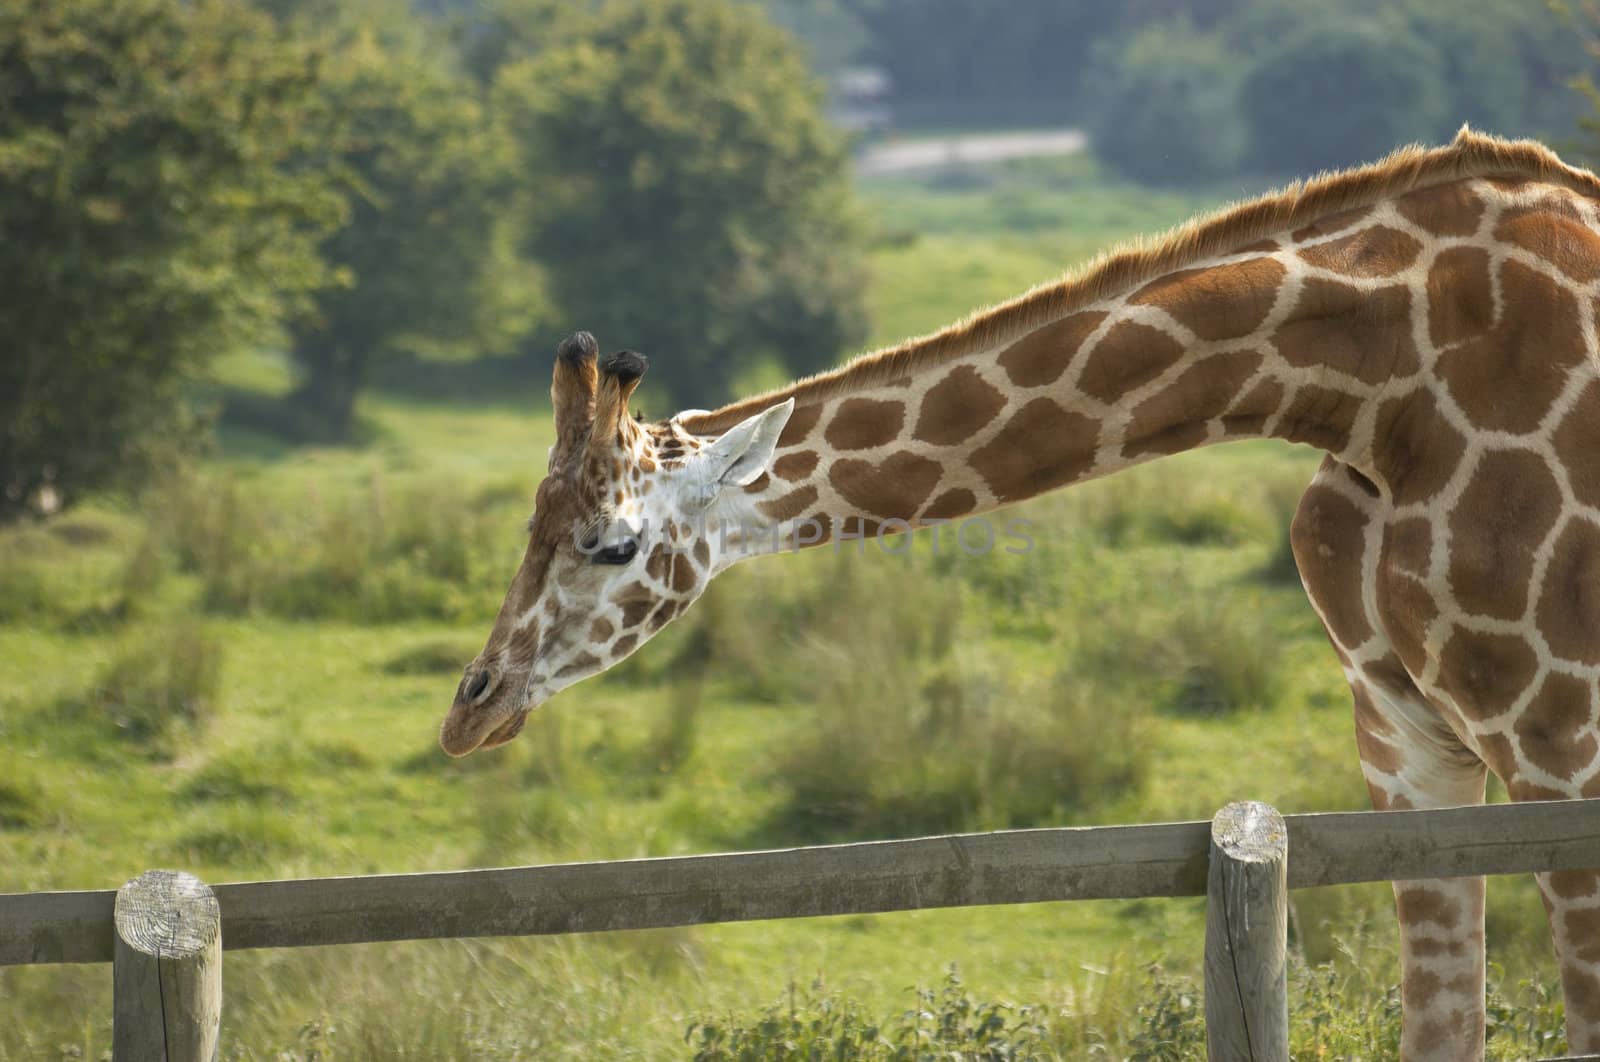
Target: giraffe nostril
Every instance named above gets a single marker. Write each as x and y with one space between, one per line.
478 687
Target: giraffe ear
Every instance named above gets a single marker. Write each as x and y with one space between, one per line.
743 452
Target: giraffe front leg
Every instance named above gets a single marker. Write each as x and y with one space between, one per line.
1412 760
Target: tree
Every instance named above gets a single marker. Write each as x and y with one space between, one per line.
147 221
421 257
1341 91
1165 106
692 202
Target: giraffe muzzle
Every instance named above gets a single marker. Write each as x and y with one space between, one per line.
487 711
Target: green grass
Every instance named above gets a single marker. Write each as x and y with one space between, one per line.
292 621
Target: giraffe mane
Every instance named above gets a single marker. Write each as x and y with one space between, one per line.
1141 260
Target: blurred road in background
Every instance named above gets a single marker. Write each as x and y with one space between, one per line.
881 160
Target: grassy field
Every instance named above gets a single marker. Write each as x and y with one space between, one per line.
243 676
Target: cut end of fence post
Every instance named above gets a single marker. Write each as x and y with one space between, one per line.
1247 918
167 969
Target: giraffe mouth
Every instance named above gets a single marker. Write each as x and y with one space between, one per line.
507 730
462 736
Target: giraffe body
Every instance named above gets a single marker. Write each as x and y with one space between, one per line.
1429 322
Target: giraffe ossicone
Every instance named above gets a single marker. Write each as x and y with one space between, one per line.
1429 321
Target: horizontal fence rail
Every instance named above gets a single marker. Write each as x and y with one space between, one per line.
1018 866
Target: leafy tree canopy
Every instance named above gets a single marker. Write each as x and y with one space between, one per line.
423 259
692 201
148 219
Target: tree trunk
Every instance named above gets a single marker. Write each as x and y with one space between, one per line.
326 397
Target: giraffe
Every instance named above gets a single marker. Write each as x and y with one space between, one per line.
1428 321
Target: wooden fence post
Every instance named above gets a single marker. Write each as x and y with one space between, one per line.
1247 903
166 969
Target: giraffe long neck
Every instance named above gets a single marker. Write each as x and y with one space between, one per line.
1300 337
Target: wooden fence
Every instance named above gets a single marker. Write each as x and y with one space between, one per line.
164 931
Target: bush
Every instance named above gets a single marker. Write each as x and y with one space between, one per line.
943 1023
378 553
912 726
1166 106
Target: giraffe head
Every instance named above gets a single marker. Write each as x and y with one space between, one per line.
630 524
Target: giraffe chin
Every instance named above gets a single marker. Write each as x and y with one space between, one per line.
457 744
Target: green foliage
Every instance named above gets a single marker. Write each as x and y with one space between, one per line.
375 554
424 260
1165 106
1303 118
1287 86
693 203
149 221
944 1023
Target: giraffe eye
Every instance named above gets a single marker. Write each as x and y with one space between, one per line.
620 553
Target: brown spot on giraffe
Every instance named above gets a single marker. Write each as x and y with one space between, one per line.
795 466
1377 251
655 566
1408 547
1041 356
759 484
862 423
1569 602
1579 433
636 600
1553 230
1128 356
894 488
1042 447
1321 416
1217 302
1421 905
1570 884
1451 209
957 407
662 614
1388 673
683 573
1583 929
1370 726
1416 448
1329 225
1485 673
1529 352
1582 994
1266 246
1549 731
1430 948
1407 607
624 646
1510 505
601 630
1249 415
952 503
1361 333
1176 417
1327 536
581 663
801 421
1460 297
790 505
